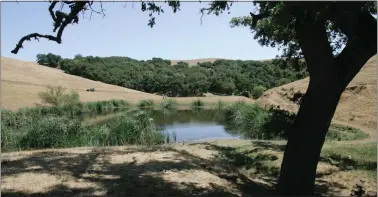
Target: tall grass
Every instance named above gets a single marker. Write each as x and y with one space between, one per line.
248 120
60 131
254 122
74 110
169 104
146 103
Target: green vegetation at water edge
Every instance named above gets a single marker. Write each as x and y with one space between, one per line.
197 104
222 77
146 103
53 131
169 104
254 122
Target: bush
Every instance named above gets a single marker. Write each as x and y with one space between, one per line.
57 96
197 103
169 104
146 103
258 91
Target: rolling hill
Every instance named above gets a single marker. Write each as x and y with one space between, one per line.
358 104
21 82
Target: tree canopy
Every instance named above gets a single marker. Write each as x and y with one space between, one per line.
222 77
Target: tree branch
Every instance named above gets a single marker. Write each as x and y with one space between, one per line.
51 7
361 46
257 17
313 41
71 17
35 36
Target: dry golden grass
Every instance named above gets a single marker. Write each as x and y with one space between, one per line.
358 104
21 81
214 168
195 61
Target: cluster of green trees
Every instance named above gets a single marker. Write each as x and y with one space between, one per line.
222 77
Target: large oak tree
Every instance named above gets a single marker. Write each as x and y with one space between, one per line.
335 38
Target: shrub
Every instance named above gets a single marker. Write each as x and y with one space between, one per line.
146 103
169 104
197 103
258 91
57 96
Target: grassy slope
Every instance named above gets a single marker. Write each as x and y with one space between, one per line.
358 104
21 81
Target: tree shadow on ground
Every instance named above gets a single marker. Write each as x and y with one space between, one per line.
159 171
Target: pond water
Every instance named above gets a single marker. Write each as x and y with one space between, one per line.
192 125
188 125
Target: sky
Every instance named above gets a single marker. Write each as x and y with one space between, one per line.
124 32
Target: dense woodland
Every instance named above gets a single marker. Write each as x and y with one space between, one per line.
222 77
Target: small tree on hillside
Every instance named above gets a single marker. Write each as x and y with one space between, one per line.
258 91
50 60
315 31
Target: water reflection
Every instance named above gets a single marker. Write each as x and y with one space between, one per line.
188 125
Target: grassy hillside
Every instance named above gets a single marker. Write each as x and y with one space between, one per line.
21 81
358 104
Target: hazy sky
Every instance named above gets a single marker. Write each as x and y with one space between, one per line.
124 32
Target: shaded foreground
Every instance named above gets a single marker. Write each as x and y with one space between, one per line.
213 168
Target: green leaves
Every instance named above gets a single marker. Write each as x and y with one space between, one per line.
159 76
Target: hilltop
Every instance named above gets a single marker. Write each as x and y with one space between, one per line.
21 81
358 104
196 61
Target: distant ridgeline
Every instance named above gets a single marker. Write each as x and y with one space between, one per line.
222 77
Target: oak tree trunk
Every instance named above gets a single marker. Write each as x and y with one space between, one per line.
306 139
329 76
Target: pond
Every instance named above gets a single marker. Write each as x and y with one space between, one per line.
192 125
187 125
